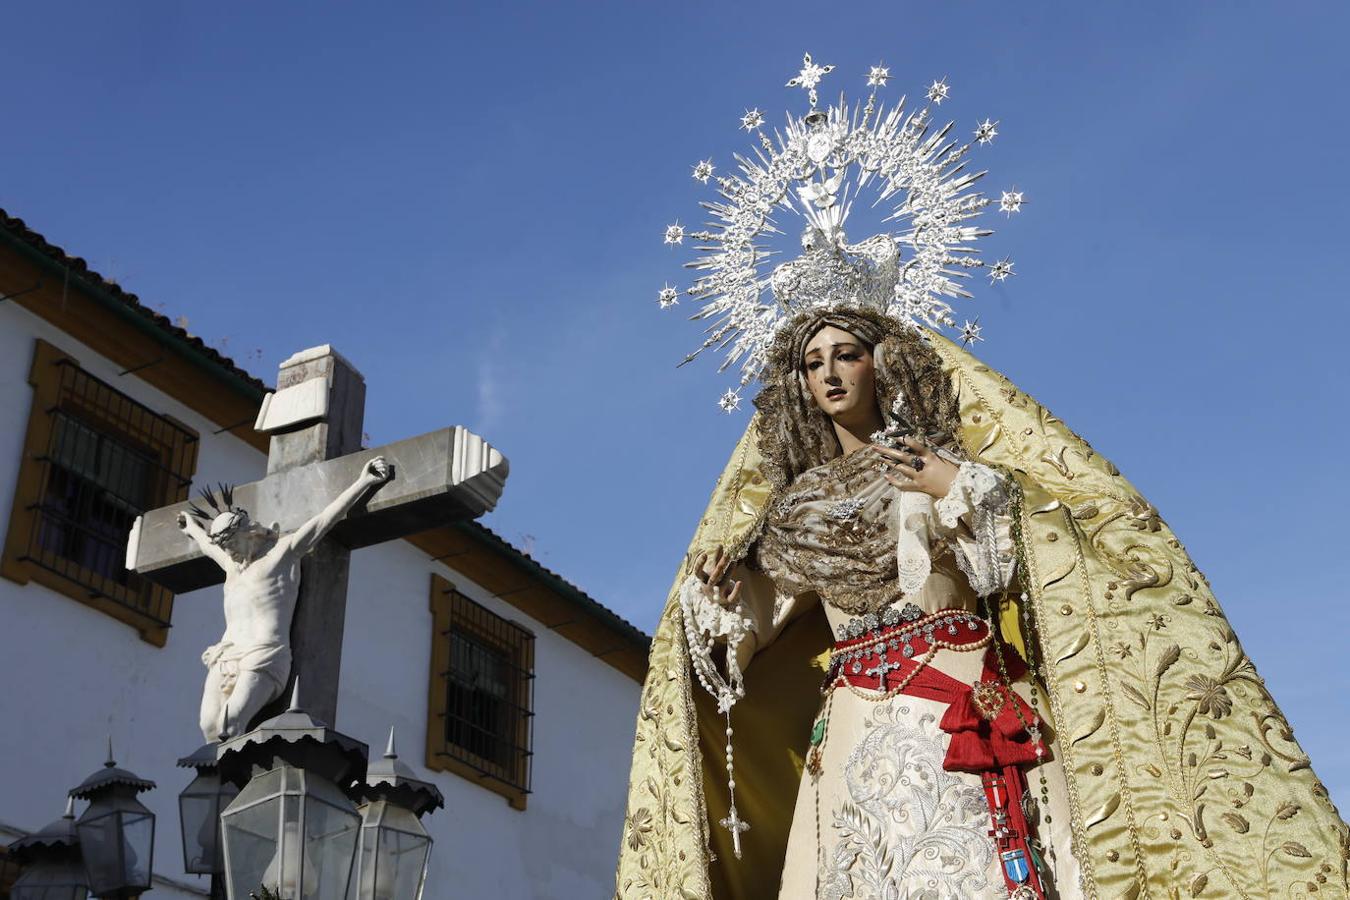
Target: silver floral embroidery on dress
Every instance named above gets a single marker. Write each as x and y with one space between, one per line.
909 828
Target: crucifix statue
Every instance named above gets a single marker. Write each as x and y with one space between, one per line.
251 663
286 581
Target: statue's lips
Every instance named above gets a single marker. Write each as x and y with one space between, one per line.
835 394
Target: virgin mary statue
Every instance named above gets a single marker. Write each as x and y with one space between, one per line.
927 643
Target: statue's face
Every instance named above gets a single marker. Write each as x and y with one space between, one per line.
840 375
224 526
241 537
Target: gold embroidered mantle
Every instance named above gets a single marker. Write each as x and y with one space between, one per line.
1185 779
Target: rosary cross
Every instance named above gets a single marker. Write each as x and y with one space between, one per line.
882 669
736 825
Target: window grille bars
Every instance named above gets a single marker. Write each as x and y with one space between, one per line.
489 693
108 459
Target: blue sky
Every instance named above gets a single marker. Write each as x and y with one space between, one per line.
468 201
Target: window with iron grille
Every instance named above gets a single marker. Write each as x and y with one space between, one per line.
94 460
481 694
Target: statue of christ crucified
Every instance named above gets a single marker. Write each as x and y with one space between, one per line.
250 665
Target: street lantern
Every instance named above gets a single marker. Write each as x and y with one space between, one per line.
292 828
391 862
199 808
117 832
52 868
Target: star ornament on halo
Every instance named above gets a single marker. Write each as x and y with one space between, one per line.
970 333
703 171
878 76
1010 202
668 297
752 119
809 77
730 402
938 91
986 132
675 234
1000 271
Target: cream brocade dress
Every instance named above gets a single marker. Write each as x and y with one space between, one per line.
884 820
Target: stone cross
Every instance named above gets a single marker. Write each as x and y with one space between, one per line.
315 419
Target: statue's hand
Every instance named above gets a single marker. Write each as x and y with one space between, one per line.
378 470
923 469
713 573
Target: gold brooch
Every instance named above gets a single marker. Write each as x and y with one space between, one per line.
989 699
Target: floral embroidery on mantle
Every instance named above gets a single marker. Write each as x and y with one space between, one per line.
909 828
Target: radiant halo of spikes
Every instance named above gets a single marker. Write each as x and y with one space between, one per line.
816 167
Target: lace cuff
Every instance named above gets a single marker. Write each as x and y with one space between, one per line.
976 487
979 499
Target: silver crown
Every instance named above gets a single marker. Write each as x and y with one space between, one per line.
832 273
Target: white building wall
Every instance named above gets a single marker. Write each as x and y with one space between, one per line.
71 677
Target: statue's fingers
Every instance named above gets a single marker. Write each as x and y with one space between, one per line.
908 471
902 485
720 570
734 594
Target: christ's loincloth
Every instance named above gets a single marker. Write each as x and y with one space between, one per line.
229 659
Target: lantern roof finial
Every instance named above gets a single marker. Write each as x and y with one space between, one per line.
390 778
108 778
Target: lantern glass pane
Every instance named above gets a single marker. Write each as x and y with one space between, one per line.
331 830
293 832
138 837
51 880
251 828
393 856
117 846
199 806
